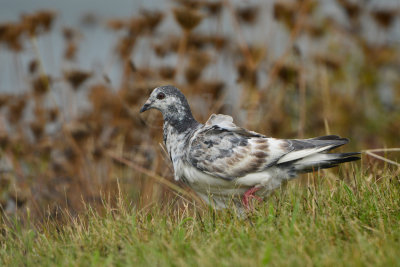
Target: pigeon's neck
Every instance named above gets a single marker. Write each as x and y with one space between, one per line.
180 122
177 131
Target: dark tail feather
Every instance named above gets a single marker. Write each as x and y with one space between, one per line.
328 137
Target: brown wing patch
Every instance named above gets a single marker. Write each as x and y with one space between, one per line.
263 147
284 145
260 154
260 162
261 140
217 169
252 166
243 150
239 156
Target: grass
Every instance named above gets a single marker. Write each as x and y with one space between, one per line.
348 220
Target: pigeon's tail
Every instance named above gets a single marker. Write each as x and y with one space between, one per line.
323 161
312 154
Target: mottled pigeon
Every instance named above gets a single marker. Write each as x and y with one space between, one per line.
224 162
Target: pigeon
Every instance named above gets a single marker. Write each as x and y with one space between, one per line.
222 162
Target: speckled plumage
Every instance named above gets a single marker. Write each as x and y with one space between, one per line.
221 161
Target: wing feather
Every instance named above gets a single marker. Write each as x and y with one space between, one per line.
222 149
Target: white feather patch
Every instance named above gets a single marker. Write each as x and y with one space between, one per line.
314 159
301 154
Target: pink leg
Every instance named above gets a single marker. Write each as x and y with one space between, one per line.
249 194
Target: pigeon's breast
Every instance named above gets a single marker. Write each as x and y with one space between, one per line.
176 144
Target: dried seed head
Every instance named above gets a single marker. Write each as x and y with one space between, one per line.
38 22
192 4
41 85
69 34
136 26
160 50
79 131
30 24
384 18
33 66
213 8
248 14
152 19
317 31
187 18
45 19
11 35
257 53
288 73
285 12
52 114
352 10
70 51
76 77
247 74
219 42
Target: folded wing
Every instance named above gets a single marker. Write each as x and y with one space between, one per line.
224 150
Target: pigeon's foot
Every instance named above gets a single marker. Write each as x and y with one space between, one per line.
249 194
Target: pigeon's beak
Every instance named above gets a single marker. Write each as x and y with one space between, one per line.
146 106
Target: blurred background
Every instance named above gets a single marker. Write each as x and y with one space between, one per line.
74 74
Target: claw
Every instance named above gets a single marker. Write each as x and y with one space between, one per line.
249 194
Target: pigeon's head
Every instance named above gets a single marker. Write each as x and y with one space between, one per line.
169 100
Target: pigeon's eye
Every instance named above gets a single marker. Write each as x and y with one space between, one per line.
160 96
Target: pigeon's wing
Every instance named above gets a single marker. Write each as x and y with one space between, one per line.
222 149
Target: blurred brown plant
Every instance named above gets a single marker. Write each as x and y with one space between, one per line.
187 18
248 14
289 73
76 77
11 35
212 8
285 12
384 18
352 9
38 22
41 85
